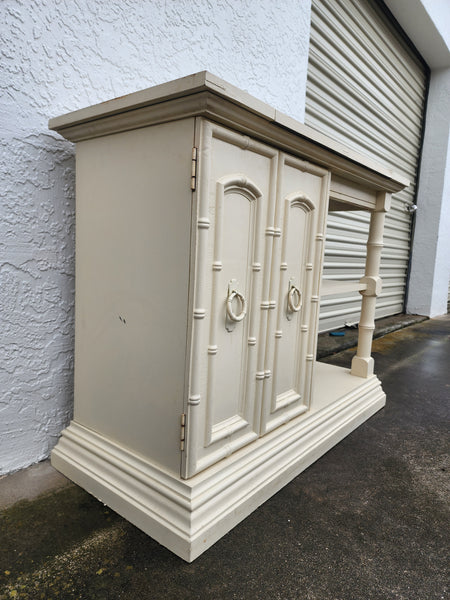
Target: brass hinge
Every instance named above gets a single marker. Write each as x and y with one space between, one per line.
194 169
183 431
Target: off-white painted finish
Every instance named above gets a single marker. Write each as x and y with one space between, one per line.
132 281
299 232
198 280
188 516
207 95
235 193
260 230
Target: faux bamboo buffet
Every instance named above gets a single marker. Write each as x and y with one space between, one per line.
200 227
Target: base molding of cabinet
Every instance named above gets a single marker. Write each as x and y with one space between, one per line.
188 516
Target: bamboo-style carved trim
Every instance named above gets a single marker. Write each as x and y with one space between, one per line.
193 416
302 201
363 363
241 184
203 223
244 142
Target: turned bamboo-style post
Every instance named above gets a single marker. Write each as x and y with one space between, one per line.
363 363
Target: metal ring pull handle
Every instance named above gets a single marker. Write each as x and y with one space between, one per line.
294 291
230 312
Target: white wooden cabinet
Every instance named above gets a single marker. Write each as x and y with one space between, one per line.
201 217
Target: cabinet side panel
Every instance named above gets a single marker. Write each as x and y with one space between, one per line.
132 274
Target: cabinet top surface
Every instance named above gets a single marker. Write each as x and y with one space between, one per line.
91 122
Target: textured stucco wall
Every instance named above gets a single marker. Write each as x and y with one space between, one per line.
58 56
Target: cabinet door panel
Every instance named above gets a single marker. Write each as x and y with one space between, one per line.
296 269
238 208
227 370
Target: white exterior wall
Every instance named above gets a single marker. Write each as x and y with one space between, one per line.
60 56
430 263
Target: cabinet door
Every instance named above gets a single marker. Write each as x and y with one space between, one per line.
302 192
235 198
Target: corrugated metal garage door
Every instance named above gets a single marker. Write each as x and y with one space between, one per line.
366 87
